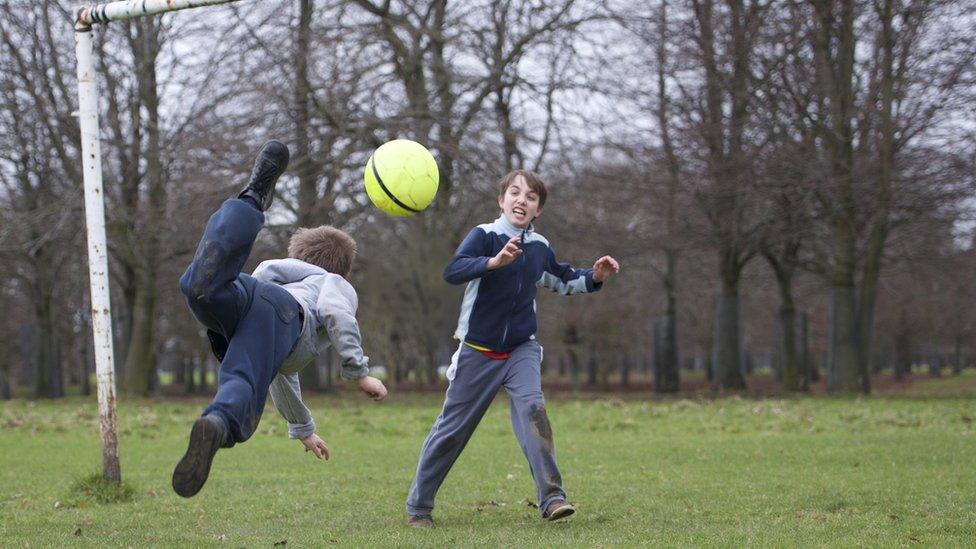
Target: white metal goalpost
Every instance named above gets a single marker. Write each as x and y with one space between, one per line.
91 152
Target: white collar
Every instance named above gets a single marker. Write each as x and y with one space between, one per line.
510 229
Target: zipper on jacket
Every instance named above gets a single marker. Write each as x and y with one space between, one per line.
518 290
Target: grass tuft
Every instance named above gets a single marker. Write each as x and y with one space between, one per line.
95 488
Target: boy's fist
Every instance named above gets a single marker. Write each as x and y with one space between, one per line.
373 387
508 254
604 268
316 445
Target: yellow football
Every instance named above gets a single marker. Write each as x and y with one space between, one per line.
401 177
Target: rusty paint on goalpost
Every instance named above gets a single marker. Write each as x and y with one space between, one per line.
91 155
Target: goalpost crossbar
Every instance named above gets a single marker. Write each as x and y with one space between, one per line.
117 11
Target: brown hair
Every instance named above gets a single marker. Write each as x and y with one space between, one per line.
532 179
325 247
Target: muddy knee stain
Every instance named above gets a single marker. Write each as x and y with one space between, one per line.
540 426
206 263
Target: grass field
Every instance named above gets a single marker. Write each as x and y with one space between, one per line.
890 470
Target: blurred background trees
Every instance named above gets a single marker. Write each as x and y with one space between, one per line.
788 186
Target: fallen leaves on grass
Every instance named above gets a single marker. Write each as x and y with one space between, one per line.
529 503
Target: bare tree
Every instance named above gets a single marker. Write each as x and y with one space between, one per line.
38 171
864 130
725 45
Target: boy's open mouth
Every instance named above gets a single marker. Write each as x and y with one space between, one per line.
518 211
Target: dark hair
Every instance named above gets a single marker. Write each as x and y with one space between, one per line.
325 247
532 179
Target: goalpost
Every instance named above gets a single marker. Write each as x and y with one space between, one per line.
91 153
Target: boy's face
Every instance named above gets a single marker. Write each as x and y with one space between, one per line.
519 203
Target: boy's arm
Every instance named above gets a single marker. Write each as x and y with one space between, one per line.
470 261
286 394
336 305
564 279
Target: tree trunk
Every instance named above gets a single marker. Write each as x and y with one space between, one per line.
49 382
670 366
87 362
844 369
790 361
806 365
625 371
431 361
656 349
903 349
399 369
202 363
188 368
4 378
309 378
667 375
834 42
179 372
592 368
139 361
727 349
574 369
957 364
309 212
140 358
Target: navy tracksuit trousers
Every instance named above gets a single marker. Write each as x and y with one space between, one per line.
253 325
477 380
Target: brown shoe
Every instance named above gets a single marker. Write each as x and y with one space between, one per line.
558 509
420 521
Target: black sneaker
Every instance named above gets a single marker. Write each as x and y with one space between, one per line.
207 436
271 162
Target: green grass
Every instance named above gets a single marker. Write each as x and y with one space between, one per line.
95 488
877 471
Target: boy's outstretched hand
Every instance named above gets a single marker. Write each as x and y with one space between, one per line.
316 445
373 387
604 268
508 254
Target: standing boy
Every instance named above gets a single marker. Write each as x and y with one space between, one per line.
502 262
266 327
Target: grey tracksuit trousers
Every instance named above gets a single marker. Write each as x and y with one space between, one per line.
477 379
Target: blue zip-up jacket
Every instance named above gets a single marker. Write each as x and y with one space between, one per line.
498 309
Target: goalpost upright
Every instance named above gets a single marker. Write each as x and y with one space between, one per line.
91 153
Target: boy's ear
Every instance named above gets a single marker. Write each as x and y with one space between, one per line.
537 213
501 201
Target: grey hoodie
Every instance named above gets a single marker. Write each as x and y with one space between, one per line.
329 304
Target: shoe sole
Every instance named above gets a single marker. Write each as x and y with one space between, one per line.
561 513
193 469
